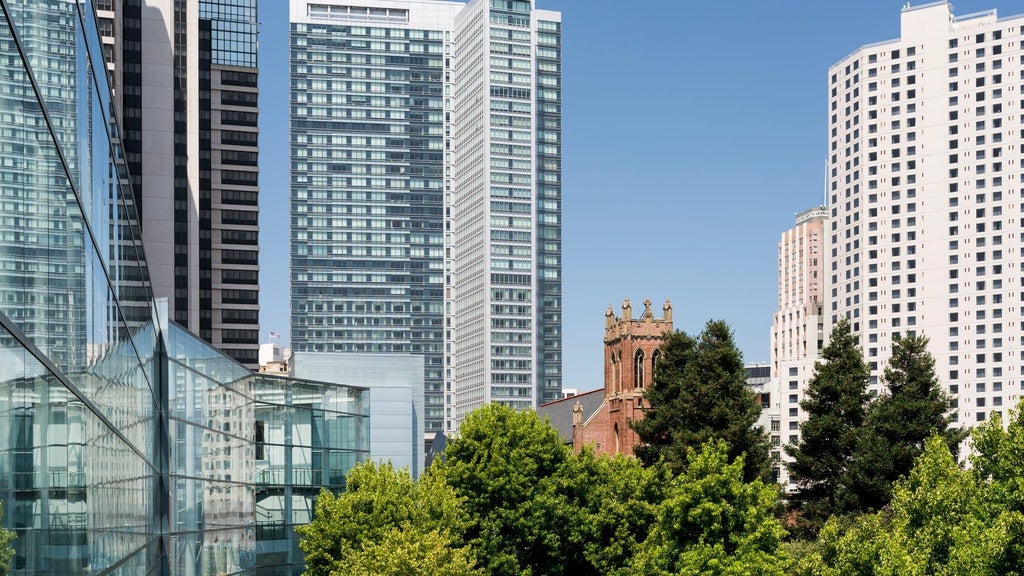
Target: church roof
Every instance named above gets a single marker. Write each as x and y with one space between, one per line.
559 412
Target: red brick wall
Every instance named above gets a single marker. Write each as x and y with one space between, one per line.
609 428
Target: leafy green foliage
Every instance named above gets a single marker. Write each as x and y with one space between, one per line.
850 546
835 403
512 470
898 424
999 458
943 520
6 548
698 394
621 504
401 552
800 557
384 507
712 522
511 498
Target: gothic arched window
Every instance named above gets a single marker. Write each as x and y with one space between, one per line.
638 369
616 372
655 358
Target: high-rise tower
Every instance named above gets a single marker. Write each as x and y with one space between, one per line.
798 330
426 192
187 91
925 135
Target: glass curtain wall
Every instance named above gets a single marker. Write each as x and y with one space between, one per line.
211 453
127 445
308 436
249 453
79 403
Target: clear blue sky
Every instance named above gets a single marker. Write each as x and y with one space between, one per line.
693 132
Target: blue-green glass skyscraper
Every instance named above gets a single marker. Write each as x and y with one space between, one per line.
426 192
367 212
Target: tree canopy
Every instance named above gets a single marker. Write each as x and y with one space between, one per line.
699 393
899 422
418 523
510 498
835 403
943 519
621 504
511 468
712 522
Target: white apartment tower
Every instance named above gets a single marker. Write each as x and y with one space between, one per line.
426 193
925 135
506 206
798 330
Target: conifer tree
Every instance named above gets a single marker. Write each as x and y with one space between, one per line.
835 403
898 424
699 393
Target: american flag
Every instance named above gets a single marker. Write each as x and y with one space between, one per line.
275 335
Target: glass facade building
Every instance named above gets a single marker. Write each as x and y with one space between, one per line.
426 193
127 444
308 436
367 206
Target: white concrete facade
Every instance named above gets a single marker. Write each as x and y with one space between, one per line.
925 137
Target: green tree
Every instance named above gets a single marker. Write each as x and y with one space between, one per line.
699 393
382 506
835 404
401 552
513 472
6 546
660 432
998 457
998 463
943 520
621 504
712 522
898 424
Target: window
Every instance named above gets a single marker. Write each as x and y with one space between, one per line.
638 369
260 439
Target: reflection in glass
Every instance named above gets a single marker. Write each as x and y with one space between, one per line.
127 445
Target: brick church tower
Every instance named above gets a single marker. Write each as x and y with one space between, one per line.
630 359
